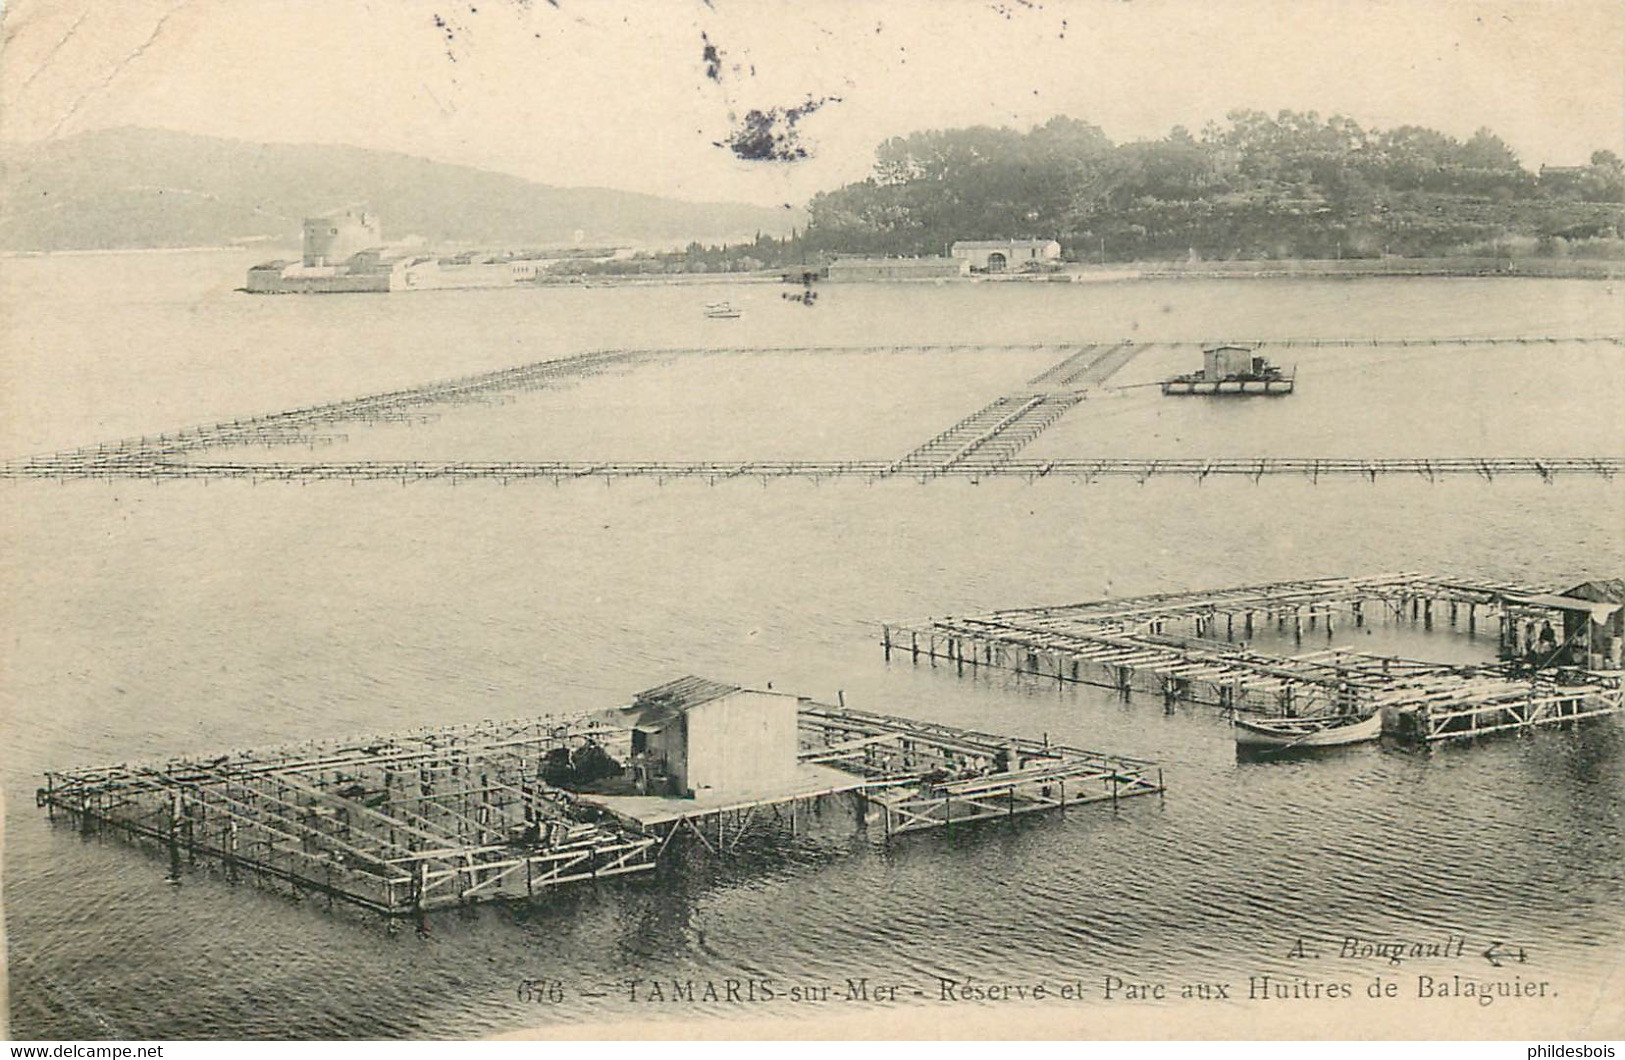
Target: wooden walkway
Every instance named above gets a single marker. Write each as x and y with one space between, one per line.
988 439
715 471
985 443
1198 647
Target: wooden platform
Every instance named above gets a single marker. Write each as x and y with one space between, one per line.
1197 647
1229 387
401 824
644 812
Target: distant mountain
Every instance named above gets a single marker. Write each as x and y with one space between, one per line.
129 187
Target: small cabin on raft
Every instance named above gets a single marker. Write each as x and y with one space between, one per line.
693 736
1232 369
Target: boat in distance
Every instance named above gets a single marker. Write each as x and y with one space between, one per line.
722 311
1332 730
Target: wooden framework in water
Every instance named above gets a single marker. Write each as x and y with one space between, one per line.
1197 647
396 824
984 444
925 775
406 823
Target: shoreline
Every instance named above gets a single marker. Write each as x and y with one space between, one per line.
1358 268
1071 272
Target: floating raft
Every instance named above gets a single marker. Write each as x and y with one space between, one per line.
1238 386
1234 370
406 823
1195 647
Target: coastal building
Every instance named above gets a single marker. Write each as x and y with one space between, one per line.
345 253
333 238
1006 255
694 737
860 270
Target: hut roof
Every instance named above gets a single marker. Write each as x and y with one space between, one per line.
1602 590
658 705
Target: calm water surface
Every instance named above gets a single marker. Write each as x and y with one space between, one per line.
147 620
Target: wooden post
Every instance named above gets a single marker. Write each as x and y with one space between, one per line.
228 851
885 641
1297 626
174 839
914 645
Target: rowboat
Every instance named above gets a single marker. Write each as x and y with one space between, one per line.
1325 731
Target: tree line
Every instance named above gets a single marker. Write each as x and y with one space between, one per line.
1255 186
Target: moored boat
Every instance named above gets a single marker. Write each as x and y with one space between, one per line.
1324 731
722 310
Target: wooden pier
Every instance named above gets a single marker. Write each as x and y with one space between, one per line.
406 823
1197 647
984 444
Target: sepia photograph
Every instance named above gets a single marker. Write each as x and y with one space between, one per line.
703 519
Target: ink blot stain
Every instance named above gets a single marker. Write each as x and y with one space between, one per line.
771 135
712 59
448 32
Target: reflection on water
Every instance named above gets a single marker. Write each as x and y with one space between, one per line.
155 619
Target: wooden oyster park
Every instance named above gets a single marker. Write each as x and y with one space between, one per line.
406 823
1558 650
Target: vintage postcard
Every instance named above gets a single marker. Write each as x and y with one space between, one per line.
1068 520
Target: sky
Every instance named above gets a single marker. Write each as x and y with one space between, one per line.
620 93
